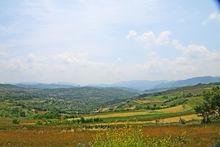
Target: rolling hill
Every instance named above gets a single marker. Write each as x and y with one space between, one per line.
46 86
65 100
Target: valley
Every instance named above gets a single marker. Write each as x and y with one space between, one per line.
91 111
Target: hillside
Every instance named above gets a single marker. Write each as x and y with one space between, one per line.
188 96
64 100
110 104
46 86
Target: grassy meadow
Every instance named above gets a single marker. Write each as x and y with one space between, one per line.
138 135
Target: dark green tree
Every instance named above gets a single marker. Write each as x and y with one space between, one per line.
210 108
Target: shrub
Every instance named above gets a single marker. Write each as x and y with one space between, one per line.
39 123
182 121
16 121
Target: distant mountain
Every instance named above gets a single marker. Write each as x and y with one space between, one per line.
154 85
6 86
137 84
46 86
134 85
189 82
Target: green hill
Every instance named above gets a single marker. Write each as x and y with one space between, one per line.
189 95
63 100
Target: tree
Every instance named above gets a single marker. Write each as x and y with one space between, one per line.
210 108
15 121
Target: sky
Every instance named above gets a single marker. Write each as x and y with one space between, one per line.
99 41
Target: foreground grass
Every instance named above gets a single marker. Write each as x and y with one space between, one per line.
157 136
134 138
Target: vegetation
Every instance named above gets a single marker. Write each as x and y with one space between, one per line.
15 121
109 117
120 138
135 138
152 136
210 108
190 95
24 102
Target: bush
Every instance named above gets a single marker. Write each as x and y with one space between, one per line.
48 115
16 121
182 121
39 123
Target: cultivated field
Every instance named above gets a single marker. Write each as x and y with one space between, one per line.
165 119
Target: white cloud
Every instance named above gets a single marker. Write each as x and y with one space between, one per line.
194 59
163 38
215 16
63 66
79 67
150 39
82 41
179 67
175 43
195 50
131 34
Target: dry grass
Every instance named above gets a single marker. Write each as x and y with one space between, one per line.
46 137
120 114
165 120
179 108
177 118
195 135
148 101
5 121
175 109
67 136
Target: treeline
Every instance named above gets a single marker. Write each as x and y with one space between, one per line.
73 121
210 108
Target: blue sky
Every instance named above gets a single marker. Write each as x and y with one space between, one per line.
98 41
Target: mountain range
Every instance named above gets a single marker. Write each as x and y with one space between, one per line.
143 85
140 85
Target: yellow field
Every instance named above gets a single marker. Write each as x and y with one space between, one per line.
177 118
148 101
179 108
165 120
175 109
120 114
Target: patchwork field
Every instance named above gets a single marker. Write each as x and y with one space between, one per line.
162 119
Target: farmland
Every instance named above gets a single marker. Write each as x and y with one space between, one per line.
166 118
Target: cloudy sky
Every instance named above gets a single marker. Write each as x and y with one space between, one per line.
100 41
